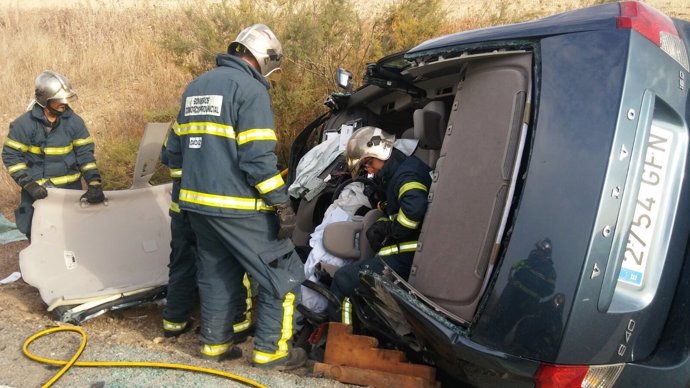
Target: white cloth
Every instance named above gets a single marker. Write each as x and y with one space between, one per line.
342 209
14 276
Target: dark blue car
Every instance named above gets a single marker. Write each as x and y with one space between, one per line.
554 252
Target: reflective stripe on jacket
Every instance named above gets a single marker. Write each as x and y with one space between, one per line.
61 154
222 145
409 246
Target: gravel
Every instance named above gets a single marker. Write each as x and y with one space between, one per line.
133 334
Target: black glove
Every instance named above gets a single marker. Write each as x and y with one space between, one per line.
374 192
94 194
322 275
35 190
286 217
377 234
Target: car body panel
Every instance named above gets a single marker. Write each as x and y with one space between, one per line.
565 139
447 344
588 19
624 331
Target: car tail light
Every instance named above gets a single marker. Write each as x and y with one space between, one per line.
654 26
571 376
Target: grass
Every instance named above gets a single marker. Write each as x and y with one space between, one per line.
128 70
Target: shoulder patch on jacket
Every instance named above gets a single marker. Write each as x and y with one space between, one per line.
203 105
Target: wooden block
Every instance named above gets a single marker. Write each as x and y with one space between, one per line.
374 378
345 349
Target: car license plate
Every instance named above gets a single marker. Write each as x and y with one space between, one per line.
647 208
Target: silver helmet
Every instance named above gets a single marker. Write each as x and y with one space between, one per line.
263 44
53 86
368 142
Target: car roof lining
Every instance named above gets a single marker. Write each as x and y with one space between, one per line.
442 66
81 252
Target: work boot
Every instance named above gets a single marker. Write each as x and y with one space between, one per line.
238 337
220 352
241 336
174 329
296 358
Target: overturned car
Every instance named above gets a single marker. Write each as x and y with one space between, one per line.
554 248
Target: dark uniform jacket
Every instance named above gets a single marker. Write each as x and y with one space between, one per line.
57 154
407 181
222 145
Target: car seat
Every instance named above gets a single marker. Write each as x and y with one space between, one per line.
429 128
348 239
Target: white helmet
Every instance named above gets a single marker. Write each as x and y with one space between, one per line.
263 44
53 86
368 142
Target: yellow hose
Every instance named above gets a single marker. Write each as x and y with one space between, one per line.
127 364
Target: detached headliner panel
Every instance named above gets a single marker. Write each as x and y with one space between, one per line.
82 251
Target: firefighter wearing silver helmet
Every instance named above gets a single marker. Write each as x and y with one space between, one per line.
263 45
366 144
241 213
49 145
406 182
51 86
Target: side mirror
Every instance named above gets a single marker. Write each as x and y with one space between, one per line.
344 79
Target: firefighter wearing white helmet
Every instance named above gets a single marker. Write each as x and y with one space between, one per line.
221 152
264 46
366 144
405 181
49 145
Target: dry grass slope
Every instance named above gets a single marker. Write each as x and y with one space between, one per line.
113 59
111 51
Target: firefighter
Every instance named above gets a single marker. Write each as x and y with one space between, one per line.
529 282
182 289
49 146
223 142
405 181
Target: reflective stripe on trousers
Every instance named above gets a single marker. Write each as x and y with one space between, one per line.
346 312
244 325
215 350
173 326
286 333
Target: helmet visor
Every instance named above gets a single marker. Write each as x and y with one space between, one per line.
64 100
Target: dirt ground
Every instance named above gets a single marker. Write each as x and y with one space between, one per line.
127 335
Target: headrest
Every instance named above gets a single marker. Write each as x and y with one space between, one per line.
430 125
339 239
